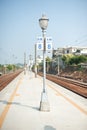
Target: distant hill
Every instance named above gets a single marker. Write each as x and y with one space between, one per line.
20 65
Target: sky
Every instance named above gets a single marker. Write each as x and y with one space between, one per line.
19 26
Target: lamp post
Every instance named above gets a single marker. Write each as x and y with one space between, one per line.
44 104
24 63
30 58
35 61
58 65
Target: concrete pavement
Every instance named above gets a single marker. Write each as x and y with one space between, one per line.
20 103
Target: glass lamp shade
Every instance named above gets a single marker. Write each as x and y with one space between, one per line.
43 22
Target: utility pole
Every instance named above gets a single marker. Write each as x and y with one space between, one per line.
35 61
24 63
58 66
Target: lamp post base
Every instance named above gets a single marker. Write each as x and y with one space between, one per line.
44 104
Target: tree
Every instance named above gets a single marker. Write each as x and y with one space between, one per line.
10 67
74 59
66 58
82 58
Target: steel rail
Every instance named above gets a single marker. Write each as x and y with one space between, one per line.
79 88
6 79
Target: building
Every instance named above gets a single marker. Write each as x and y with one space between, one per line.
70 50
57 54
75 50
39 59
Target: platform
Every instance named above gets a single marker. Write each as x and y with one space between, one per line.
20 103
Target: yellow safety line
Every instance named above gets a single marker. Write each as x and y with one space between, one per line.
69 100
6 109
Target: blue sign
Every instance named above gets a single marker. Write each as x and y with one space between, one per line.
48 46
39 46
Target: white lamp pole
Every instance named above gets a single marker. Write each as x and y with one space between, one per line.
35 61
44 104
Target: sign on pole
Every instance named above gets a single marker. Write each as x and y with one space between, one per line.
39 46
48 43
40 43
48 46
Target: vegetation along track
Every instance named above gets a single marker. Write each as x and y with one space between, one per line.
7 78
78 87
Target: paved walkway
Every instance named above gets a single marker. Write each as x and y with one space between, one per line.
20 103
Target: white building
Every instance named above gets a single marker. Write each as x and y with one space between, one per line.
39 59
70 50
75 50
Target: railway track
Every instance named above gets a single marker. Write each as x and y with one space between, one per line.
78 87
7 78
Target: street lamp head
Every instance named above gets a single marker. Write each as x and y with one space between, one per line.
43 22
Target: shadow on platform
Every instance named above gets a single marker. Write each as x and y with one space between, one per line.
47 127
19 104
